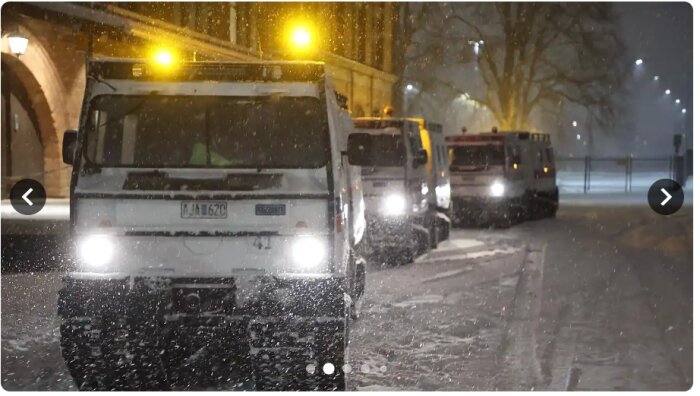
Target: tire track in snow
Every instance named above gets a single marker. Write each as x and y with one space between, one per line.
469 259
520 367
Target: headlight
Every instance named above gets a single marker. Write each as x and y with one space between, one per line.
394 205
497 189
96 250
424 189
308 251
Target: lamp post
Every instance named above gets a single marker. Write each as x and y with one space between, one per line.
18 44
409 89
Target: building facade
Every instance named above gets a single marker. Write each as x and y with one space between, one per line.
42 89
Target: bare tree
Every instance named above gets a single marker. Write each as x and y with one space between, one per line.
522 59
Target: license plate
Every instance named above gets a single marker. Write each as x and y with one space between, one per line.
270 210
204 210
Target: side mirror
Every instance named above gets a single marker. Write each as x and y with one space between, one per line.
359 149
421 158
70 139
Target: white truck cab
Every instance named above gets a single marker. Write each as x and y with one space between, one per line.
217 215
395 186
501 177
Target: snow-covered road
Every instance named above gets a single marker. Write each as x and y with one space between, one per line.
579 302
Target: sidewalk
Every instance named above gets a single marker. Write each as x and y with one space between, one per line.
51 220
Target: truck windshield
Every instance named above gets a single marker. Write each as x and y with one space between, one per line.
207 132
388 150
477 155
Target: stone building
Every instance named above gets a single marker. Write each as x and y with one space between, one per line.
42 89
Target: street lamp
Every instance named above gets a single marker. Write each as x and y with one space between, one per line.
678 101
410 90
656 78
683 111
18 43
574 124
638 62
476 44
668 92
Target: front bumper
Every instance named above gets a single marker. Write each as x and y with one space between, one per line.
174 298
389 231
204 256
480 206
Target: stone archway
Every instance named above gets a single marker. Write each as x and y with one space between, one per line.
22 146
37 73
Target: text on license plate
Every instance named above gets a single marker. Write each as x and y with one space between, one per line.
203 210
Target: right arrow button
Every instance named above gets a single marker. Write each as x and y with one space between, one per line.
668 197
665 196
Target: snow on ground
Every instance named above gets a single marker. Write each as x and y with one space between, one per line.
602 181
31 356
590 312
598 298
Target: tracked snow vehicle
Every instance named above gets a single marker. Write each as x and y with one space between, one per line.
502 177
217 220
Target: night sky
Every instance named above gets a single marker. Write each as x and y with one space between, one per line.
661 35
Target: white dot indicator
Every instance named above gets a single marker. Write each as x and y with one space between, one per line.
328 368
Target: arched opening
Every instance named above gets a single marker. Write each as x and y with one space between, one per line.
22 146
32 118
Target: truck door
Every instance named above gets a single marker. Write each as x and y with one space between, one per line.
353 180
515 169
417 176
545 178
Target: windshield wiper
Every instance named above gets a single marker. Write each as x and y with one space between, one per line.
132 109
91 166
101 80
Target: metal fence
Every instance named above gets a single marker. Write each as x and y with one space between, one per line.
626 174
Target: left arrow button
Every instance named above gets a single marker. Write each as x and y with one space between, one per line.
28 196
24 197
